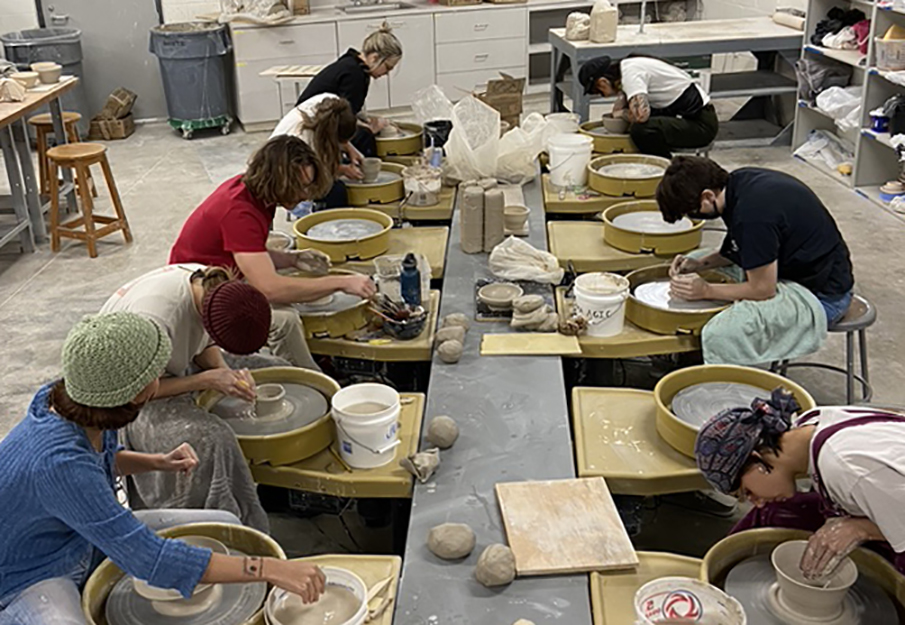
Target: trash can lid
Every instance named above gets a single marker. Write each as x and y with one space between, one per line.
41 36
182 28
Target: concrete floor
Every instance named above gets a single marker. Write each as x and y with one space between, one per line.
162 178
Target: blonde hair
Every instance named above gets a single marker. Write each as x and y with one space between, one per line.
383 43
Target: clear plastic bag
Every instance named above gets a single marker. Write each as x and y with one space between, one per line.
257 11
837 102
474 143
431 103
823 146
514 259
519 149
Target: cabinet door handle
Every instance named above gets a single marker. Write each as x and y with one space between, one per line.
397 24
481 27
287 42
480 58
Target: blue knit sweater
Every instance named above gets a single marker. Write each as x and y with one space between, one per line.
57 501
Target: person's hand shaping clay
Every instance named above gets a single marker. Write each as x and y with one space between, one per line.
181 460
442 432
829 545
311 261
451 541
496 566
689 287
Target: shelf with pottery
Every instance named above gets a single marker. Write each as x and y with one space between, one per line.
430 241
632 342
324 473
374 571
385 348
582 244
442 211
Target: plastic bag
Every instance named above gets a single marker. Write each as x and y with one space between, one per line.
838 102
816 75
519 149
431 103
267 12
826 147
474 143
514 259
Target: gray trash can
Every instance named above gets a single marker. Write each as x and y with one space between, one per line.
60 45
194 66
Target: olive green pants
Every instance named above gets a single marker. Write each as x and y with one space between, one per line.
661 135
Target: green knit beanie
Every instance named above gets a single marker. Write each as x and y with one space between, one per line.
108 359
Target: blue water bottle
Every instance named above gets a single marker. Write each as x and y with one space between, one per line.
410 281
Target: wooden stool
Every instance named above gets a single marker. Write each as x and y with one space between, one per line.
79 157
43 125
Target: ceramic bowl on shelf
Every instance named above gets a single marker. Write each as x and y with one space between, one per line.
49 73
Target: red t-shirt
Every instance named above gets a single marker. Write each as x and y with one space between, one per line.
229 221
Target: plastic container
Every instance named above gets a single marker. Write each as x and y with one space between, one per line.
195 69
600 298
280 599
367 424
674 600
569 158
56 45
890 53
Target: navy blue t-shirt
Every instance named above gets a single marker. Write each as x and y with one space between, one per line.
771 216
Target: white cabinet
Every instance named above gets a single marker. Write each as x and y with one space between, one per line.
257 49
351 34
467 26
414 72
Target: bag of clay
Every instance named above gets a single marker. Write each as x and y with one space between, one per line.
474 143
514 259
519 149
816 75
431 103
267 12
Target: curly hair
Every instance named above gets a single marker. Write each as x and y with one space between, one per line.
686 178
114 418
275 173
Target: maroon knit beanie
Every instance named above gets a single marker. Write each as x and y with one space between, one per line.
237 317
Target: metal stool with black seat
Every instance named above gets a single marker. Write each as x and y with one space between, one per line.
702 151
860 315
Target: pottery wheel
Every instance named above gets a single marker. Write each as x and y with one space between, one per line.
402 134
384 177
601 131
698 403
656 295
322 307
302 406
631 171
342 230
236 604
651 222
751 581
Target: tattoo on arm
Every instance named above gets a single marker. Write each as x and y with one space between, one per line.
254 566
639 106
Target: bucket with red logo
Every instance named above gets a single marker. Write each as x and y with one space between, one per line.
682 601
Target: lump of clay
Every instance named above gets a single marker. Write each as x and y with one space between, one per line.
450 352
452 333
487 183
423 464
456 319
527 303
451 541
578 26
442 432
550 324
531 320
573 326
390 131
496 566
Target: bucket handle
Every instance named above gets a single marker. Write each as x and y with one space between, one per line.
551 166
385 449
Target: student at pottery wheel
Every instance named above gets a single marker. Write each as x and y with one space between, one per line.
854 456
205 312
797 274
327 124
666 108
58 471
350 77
229 229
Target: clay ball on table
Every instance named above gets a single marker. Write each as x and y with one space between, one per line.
527 303
456 319
450 352
496 566
451 541
442 432
452 333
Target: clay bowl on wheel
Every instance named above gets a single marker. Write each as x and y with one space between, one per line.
615 125
818 599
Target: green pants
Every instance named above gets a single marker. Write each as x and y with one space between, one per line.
660 135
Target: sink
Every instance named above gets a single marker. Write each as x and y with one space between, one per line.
376 7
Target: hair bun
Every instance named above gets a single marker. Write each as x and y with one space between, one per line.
385 27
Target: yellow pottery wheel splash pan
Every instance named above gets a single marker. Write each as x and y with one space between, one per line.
680 434
410 141
612 175
389 187
635 242
605 142
362 248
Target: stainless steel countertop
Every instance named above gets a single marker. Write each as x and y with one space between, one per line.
514 425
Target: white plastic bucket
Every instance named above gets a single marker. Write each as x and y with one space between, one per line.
281 601
563 122
674 600
600 298
569 158
367 424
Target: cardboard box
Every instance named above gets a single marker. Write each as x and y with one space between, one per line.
109 129
505 95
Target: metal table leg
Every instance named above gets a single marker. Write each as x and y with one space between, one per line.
59 134
32 196
581 103
20 208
